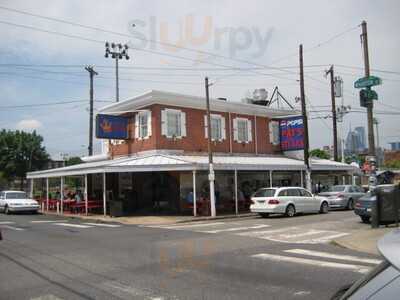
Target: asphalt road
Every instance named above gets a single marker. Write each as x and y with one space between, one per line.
51 258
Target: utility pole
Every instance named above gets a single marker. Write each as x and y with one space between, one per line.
370 105
335 144
211 175
376 122
117 52
92 72
305 122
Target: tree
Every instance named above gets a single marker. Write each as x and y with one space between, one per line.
74 160
319 153
21 152
393 164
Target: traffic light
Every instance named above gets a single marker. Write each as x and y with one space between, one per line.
364 98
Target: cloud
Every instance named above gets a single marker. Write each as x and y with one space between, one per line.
29 124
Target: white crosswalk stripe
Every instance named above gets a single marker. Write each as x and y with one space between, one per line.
297 235
44 221
234 229
334 256
12 227
183 227
312 262
103 225
6 223
73 225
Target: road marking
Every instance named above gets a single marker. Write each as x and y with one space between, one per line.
72 225
180 227
326 239
296 235
47 297
13 228
6 223
103 225
312 262
334 256
234 229
263 233
44 221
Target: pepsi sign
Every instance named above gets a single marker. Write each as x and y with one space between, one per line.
291 133
111 127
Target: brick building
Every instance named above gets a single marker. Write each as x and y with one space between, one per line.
162 164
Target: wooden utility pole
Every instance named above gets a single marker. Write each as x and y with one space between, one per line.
92 72
335 143
211 175
370 104
305 122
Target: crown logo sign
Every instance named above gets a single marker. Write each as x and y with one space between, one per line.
106 126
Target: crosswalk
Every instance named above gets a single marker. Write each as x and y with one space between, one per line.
10 225
292 234
320 259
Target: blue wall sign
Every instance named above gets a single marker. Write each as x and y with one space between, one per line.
111 127
291 134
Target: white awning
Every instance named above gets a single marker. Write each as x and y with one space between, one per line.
180 162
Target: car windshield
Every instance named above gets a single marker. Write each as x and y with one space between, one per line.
265 193
337 188
16 195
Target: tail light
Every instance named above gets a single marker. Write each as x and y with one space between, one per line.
340 196
273 201
358 204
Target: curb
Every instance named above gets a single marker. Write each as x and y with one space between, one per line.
248 215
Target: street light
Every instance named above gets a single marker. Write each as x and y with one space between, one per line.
117 52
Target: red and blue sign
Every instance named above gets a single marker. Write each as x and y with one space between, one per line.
111 127
291 134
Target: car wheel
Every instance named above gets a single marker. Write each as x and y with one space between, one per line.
365 219
324 208
350 204
264 215
7 210
290 210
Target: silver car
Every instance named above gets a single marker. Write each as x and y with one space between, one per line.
17 201
343 196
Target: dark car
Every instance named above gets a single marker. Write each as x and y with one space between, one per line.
383 282
363 206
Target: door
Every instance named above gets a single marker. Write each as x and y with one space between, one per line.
295 197
310 202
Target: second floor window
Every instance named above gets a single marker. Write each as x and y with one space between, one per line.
242 130
217 127
143 125
173 123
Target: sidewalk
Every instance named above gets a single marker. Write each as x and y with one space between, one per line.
148 220
364 240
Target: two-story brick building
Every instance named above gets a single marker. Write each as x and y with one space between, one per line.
162 164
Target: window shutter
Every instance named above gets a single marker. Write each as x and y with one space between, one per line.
164 122
223 133
235 130
149 123
137 125
249 131
205 127
183 124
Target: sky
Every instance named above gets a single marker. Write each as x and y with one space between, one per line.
240 46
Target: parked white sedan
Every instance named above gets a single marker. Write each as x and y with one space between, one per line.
288 201
16 201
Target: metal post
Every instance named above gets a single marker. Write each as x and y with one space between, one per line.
47 194
86 194
301 178
194 194
62 196
116 78
236 194
104 194
31 188
211 175
270 178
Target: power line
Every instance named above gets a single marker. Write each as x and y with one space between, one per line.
47 104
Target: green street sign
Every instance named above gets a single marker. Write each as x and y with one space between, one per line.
367 82
371 95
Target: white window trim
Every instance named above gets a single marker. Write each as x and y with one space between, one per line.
236 132
223 128
137 125
164 121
